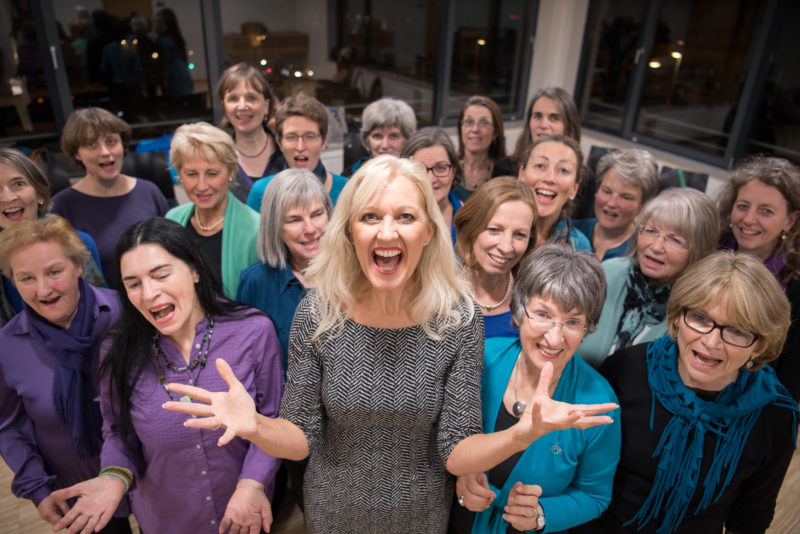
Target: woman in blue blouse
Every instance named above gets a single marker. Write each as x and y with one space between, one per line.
495 228
564 478
294 213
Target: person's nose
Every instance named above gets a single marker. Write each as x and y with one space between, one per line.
387 229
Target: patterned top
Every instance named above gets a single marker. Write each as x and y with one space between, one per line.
382 409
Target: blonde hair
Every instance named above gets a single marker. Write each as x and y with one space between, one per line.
336 270
756 303
202 140
53 229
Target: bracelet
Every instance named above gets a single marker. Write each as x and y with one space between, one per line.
125 475
115 475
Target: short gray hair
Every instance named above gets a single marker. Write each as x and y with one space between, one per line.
573 279
289 188
689 213
635 167
387 112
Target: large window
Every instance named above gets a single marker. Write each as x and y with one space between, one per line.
709 79
156 63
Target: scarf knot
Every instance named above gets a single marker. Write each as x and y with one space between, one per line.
644 305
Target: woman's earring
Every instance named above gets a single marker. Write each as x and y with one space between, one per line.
749 364
41 202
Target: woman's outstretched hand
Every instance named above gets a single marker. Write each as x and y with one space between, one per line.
547 415
97 499
233 410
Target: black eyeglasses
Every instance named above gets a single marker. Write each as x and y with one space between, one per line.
729 334
440 170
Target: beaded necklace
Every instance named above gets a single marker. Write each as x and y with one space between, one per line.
199 361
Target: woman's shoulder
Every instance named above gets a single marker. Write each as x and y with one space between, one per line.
180 214
499 349
616 267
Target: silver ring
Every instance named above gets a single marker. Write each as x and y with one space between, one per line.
219 423
461 501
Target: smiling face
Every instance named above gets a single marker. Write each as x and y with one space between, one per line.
47 281
501 245
18 199
662 258
245 108
758 218
616 203
386 140
477 129
301 154
556 345
102 158
301 232
546 119
161 287
431 157
705 361
389 234
205 183
552 174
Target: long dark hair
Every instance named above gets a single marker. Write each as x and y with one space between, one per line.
132 336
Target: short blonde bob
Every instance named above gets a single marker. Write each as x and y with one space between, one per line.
47 229
477 211
204 141
337 272
756 303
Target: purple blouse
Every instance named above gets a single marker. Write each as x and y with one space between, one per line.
34 444
188 478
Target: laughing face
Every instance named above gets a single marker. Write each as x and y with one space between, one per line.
501 245
616 203
102 158
758 218
389 234
245 108
161 287
301 154
301 231
18 198
705 361
552 174
662 253
47 281
555 344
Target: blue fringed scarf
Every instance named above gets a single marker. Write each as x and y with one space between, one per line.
731 416
73 392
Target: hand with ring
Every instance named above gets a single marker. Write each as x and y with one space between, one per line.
522 509
474 492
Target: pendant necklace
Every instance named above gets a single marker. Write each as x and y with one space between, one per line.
206 228
266 143
519 406
199 360
490 307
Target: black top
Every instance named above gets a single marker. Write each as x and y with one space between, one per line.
787 366
748 503
211 246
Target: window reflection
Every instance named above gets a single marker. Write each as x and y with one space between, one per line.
696 71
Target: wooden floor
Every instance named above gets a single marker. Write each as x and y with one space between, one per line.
19 516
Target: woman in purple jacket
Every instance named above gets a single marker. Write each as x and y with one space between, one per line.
49 422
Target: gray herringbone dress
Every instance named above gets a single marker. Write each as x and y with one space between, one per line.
382 409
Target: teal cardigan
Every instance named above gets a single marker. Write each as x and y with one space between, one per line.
597 346
239 238
575 468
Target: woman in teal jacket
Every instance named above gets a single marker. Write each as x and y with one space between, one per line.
224 228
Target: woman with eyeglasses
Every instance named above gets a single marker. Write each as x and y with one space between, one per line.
562 479
301 123
481 142
708 431
675 229
759 208
432 147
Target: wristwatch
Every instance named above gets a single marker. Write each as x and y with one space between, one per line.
539 518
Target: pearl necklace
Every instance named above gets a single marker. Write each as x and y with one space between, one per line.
490 307
266 142
207 228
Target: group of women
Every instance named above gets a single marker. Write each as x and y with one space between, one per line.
518 384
